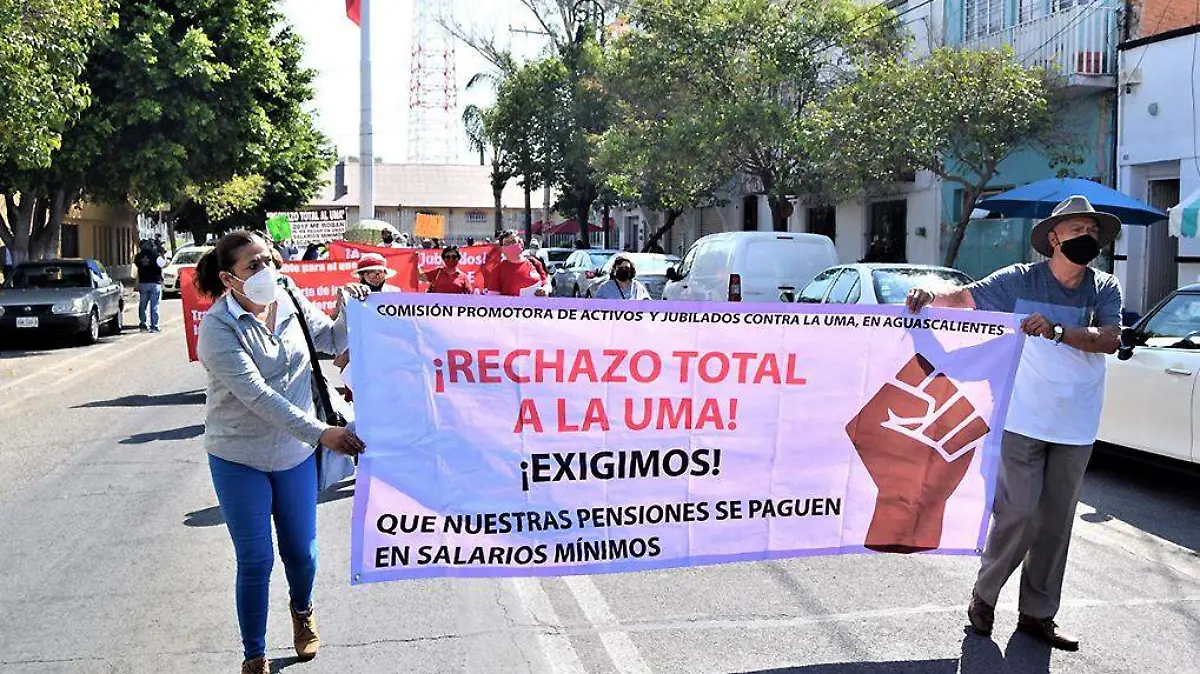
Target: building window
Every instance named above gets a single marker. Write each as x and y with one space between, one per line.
982 18
477 218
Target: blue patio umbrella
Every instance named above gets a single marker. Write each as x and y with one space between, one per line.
1037 200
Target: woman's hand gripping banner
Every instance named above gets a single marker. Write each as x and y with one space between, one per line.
549 437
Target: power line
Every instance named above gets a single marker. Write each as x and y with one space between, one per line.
1161 16
1089 9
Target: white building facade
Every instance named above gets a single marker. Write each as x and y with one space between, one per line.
1157 157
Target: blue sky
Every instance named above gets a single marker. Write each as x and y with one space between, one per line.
333 51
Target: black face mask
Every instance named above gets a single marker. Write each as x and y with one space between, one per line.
1081 250
374 288
623 274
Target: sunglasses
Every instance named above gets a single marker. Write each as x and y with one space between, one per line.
451 257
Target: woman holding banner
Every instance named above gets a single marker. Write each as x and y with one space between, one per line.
261 429
448 279
624 284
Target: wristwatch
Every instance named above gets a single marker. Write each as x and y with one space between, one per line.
1059 333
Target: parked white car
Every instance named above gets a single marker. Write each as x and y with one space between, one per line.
573 278
877 283
1151 401
184 257
749 267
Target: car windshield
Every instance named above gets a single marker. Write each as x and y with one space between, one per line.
558 255
188 257
51 276
1178 318
598 259
892 285
652 264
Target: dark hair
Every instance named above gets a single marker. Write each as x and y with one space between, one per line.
451 249
221 258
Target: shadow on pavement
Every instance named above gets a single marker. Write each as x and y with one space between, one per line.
211 516
168 400
893 667
980 655
283 663
185 433
1155 496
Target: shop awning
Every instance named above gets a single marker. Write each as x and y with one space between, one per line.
1184 219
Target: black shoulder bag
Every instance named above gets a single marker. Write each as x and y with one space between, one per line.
320 385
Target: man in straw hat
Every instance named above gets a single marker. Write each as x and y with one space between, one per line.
1073 317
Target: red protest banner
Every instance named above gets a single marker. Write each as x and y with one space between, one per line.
410 263
319 282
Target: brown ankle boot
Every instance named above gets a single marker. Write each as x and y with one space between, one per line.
304 632
258 665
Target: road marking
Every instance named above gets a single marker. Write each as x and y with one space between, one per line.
91 368
555 645
620 647
1117 533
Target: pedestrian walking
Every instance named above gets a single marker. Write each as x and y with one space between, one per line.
515 275
448 279
149 263
623 285
1074 318
262 428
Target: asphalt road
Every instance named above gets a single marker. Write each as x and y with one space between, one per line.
114 558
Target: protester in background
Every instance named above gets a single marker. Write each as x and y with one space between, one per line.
389 239
655 247
448 279
623 285
1074 315
261 430
532 254
312 252
470 241
515 275
149 263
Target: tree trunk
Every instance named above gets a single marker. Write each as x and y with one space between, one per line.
605 215
546 219
672 217
960 227
59 203
170 233
20 219
582 216
529 215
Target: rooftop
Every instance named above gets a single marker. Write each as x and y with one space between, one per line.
421 186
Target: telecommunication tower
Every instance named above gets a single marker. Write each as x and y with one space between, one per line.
434 126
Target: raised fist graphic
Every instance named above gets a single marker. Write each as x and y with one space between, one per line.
916 438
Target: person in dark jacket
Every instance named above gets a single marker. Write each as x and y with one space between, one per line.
149 262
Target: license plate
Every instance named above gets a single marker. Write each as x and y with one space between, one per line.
27 322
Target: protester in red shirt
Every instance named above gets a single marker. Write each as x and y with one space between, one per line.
448 279
515 275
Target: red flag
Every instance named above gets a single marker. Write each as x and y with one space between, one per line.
354 11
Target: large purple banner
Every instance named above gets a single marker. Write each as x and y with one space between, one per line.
550 437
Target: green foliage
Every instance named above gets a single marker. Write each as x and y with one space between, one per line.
44 46
957 114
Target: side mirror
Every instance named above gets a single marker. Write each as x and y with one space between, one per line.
673 274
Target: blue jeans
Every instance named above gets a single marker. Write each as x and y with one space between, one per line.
249 499
150 297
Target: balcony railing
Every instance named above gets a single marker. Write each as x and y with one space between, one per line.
1076 42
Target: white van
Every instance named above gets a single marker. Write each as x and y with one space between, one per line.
750 267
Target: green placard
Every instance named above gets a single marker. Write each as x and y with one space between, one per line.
280 228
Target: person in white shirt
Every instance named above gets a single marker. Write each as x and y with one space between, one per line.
1073 318
624 284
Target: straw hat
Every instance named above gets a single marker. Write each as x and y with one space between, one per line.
1074 207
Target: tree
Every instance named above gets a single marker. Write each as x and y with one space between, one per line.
483 135
741 79
529 123
44 46
957 114
184 93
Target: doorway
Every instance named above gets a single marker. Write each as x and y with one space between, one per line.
1162 249
823 220
750 213
887 232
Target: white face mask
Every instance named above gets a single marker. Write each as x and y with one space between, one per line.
260 288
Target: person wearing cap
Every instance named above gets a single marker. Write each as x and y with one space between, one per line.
372 271
1072 319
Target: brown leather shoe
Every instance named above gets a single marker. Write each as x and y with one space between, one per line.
1045 629
258 665
982 616
304 633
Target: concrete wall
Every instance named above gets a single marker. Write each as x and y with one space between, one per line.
1158 130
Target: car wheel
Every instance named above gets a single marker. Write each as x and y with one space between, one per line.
117 325
92 334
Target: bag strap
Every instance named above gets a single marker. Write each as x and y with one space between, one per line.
319 381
